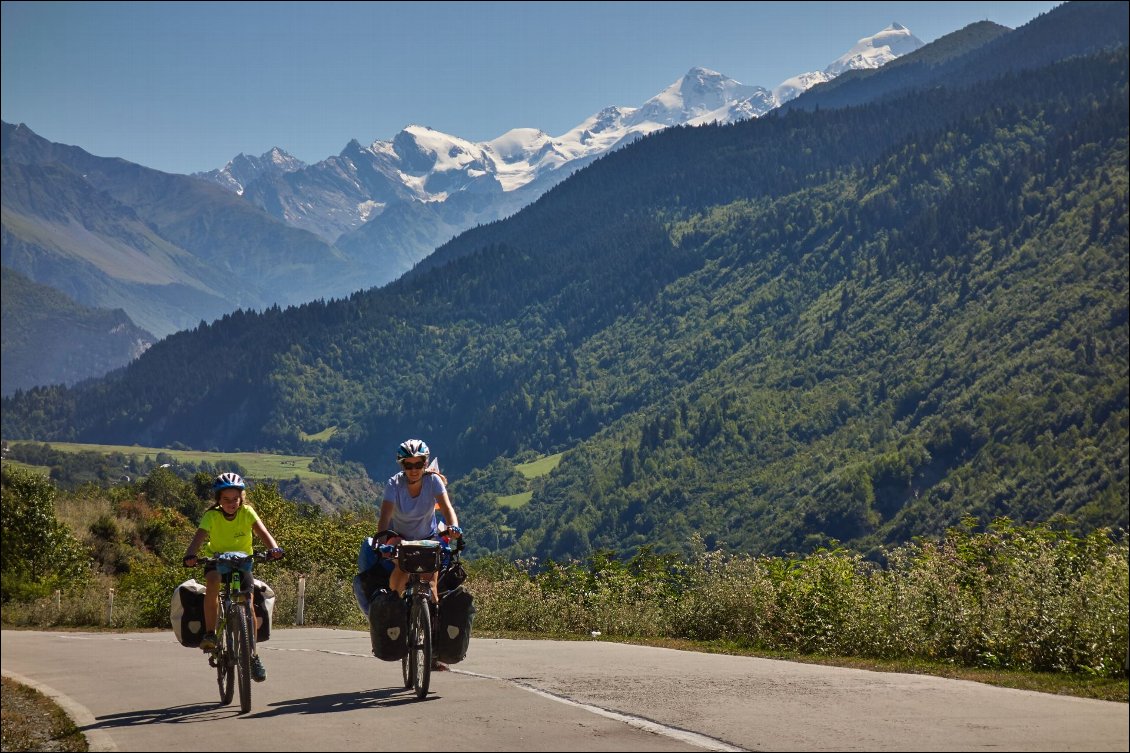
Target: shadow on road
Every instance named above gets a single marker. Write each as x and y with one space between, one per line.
362 699
197 712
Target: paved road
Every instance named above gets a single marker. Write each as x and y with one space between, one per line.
143 691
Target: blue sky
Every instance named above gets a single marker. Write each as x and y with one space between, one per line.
184 87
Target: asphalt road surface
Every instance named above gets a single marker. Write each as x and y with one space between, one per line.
325 691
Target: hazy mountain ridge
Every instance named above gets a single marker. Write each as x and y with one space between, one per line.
168 249
49 338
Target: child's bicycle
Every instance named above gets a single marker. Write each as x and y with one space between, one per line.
235 625
416 558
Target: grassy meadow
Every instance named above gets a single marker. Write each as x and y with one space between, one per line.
258 464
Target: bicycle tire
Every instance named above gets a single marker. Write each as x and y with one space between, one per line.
409 666
240 618
421 648
225 671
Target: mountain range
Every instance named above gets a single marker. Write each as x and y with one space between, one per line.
824 325
344 199
171 252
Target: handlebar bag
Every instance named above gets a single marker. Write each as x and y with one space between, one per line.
421 556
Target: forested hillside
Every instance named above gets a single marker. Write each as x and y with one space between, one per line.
48 337
857 324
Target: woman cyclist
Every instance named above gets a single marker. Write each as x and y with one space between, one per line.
227 527
409 506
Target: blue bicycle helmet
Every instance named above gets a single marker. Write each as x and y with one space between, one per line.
228 480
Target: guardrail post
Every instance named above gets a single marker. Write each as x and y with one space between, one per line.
110 611
300 614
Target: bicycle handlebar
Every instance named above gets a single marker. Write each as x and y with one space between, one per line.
444 540
261 556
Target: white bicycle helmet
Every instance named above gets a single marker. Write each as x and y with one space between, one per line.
228 480
412 448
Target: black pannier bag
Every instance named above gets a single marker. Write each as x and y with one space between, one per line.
388 626
453 636
186 613
451 578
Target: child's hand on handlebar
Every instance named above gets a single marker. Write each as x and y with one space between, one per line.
189 560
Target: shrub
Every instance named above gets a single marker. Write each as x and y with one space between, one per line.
37 553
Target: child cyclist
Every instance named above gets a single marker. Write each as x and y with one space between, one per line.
227 527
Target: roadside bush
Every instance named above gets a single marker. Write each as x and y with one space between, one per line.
38 554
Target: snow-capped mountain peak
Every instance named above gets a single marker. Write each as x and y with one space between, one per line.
869 52
874 51
243 169
699 93
420 164
517 144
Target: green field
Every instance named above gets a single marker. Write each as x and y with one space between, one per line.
539 467
33 468
515 501
258 465
322 436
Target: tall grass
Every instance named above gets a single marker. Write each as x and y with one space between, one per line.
1012 597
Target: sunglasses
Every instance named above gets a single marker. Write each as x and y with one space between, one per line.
413 466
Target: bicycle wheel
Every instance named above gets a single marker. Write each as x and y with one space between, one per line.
225 671
421 649
240 619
